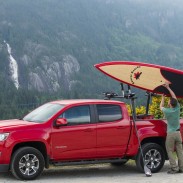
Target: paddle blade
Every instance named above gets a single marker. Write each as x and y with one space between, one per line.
147 171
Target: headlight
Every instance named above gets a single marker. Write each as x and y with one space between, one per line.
3 136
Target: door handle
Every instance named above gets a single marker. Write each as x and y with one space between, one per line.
88 130
121 127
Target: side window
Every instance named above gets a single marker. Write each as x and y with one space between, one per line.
77 115
108 112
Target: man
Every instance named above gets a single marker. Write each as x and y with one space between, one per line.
173 139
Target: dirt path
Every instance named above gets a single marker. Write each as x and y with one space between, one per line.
104 173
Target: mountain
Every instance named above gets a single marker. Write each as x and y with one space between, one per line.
50 46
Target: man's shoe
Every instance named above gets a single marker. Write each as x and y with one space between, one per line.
172 171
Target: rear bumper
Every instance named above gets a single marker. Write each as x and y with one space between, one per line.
4 167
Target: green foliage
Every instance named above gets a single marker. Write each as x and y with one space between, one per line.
154 108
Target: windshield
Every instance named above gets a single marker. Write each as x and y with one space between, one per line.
43 113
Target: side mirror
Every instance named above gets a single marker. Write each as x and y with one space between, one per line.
61 122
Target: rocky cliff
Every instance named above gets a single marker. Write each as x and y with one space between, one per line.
53 46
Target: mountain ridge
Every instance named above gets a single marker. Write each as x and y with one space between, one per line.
56 43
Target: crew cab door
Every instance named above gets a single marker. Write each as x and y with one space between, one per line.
77 140
113 130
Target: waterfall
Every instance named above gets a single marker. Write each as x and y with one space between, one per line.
13 67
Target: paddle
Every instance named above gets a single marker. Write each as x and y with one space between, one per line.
147 171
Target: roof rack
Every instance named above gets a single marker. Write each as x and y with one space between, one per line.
129 95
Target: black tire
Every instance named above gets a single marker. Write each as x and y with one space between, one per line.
119 163
154 156
27 163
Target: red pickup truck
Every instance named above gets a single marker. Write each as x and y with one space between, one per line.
68 132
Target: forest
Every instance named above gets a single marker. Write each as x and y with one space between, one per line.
91 32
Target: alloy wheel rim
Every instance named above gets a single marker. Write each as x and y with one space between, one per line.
29 164
152 159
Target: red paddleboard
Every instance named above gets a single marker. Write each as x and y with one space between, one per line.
148 77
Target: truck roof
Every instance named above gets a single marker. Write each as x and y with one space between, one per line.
86 101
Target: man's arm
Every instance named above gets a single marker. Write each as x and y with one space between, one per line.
162 102
170 90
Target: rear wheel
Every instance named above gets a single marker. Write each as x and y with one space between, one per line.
27 163
154 157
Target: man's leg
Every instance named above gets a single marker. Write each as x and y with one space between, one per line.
170 141
179 151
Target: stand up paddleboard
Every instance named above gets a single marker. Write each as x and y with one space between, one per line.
148 77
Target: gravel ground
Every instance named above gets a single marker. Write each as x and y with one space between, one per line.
101 173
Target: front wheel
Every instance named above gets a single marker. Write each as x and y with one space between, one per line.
27 163
154 157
